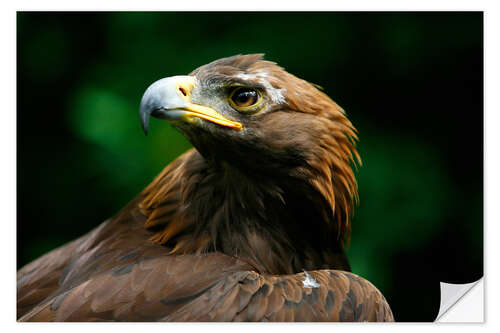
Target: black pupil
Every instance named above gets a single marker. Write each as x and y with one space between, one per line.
245 97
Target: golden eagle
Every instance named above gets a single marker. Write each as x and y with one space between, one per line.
250 225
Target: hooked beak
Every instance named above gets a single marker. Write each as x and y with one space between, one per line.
170 99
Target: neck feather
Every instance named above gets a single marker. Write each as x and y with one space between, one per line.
277 225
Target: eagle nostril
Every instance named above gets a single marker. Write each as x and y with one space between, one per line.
183 91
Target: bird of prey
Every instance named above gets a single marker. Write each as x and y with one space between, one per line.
249 225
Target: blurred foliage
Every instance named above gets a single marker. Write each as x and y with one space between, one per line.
410 82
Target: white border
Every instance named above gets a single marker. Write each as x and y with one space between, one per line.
8 152
226 5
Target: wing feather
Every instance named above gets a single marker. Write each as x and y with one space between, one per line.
212 287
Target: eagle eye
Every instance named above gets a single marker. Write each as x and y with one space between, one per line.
244 98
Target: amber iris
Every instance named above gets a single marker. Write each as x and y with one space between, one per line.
243 97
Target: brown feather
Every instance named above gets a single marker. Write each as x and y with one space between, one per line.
214 238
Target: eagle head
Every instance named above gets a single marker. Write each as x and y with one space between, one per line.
251 117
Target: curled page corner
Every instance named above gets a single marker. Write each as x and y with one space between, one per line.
461 302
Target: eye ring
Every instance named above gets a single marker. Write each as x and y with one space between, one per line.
244 98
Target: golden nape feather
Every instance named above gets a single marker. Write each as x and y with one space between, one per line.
249 225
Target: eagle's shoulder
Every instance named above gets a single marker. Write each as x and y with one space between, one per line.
210 287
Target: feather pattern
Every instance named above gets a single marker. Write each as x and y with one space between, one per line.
147 284
247 226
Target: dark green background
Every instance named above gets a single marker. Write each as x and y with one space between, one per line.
412 83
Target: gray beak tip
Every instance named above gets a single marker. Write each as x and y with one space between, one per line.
160 96
145 129
145 120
